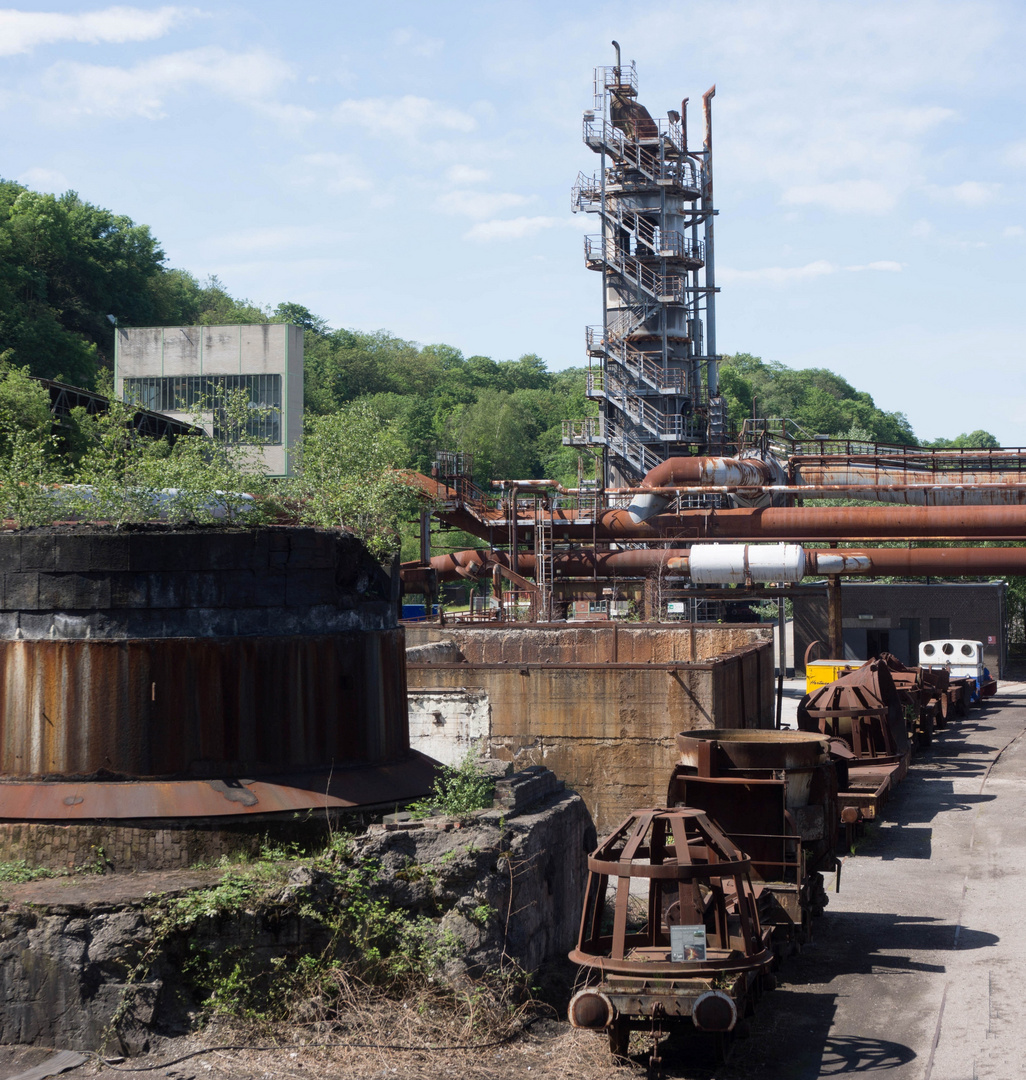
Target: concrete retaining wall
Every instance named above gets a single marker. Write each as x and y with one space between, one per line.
447 723
595 643
605 726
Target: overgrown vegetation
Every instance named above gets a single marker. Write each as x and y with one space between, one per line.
458 791
360 950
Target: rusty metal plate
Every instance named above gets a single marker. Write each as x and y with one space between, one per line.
66 800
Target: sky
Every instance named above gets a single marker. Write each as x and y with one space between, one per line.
407 166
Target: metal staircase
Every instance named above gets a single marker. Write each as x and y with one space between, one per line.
655 386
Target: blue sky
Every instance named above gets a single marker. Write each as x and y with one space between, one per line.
407 166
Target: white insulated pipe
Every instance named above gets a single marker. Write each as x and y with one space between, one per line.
713 564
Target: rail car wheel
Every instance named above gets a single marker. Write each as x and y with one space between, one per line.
619 1038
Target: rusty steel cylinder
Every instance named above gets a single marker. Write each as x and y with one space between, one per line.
201 653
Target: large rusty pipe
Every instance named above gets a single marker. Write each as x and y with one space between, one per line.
918 486
802 524
701 471
820 523
866 562
921 562
744 472
474 563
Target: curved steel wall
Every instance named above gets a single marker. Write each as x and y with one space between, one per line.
199 708
196 654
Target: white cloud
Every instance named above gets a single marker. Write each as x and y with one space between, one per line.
922 229
402 116
479 204
416 43
844 196
466 174
1013 232
886 265
286 115
337 173
142 90
777 275
1015 155
39 179
516 228
968 193
22 31
272 239
784 275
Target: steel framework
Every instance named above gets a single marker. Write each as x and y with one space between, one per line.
652 363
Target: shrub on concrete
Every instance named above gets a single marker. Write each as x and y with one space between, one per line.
458 790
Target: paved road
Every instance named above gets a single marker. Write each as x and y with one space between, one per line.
919 965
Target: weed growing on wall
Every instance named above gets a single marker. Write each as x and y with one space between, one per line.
359 969
458 790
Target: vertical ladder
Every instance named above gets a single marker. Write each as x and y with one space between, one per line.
543 561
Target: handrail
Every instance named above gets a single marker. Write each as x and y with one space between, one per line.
604 249
614 77
601 134
667 244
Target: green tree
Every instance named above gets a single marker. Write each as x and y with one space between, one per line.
978 439
29 461
350 477
816 399
66 265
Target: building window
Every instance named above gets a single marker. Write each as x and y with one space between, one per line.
199 393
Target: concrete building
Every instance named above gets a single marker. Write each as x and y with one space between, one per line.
179 369
895 618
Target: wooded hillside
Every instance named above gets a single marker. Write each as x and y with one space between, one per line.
65 266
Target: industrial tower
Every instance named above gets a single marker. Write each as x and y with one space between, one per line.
657 370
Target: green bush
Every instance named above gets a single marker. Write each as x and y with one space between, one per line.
458 790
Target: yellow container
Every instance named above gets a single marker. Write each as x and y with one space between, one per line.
823 672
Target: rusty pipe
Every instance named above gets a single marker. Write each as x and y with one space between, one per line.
803 523
900 483
820 523
867 562
701 471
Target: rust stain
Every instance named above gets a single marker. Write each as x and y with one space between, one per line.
226 706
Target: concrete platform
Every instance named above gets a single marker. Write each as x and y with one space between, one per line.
919 965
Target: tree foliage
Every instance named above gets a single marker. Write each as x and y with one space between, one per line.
818 400
349 477
978 439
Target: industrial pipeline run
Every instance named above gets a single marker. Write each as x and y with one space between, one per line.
740 563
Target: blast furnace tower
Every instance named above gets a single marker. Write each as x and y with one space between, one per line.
652 363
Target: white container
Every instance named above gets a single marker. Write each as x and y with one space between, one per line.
962 657
712 564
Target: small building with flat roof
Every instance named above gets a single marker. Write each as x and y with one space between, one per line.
895 617
180 370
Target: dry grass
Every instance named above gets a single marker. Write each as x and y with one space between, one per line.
370 1048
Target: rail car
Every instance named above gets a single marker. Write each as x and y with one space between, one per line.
692 906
